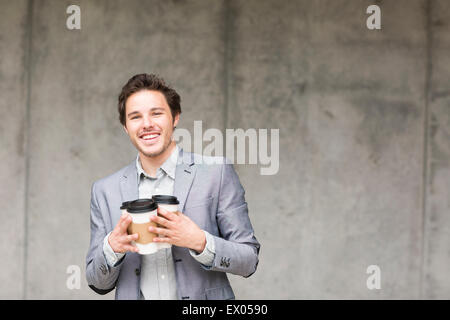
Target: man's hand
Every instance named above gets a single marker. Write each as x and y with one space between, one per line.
178 230
119 240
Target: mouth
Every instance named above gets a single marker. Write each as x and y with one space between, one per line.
149 137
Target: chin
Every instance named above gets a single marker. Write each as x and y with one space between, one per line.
155 151
152 153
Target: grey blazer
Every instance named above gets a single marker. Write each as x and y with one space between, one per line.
212 196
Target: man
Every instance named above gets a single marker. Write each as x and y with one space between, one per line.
210 235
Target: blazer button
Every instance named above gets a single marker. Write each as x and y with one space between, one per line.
225 262
138 272
103 269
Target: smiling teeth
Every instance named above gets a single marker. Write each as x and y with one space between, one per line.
151 136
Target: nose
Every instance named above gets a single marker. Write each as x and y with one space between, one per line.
148 122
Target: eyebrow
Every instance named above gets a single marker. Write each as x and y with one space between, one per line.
137 112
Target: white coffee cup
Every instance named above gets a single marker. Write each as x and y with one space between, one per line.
169 203
140 211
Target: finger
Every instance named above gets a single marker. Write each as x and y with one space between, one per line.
163 239
125 223
131 248
161 221
132 237
166 214
117 227
160 231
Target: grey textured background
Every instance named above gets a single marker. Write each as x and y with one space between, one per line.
364 119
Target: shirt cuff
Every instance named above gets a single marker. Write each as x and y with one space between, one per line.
112 258
206 257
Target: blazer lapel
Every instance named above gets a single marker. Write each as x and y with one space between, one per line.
128 183
184 175
129 191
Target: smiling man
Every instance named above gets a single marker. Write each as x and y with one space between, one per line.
211 235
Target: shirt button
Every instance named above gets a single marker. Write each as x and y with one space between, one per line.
157 189
163 277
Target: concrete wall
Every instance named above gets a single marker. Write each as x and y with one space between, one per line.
364 119
436 282
13 152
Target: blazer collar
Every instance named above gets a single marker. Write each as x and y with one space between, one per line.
184 176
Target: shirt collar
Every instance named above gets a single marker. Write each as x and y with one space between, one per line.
168 167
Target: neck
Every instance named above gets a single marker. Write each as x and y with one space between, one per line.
151 164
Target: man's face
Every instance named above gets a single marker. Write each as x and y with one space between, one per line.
149 122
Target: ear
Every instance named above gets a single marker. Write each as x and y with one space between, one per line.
176 119
125 128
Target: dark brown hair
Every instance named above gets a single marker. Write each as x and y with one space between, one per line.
146 81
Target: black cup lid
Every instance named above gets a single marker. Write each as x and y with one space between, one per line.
165 199
141 206
125 205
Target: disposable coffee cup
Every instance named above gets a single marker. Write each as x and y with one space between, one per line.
170 203
124 206
141 210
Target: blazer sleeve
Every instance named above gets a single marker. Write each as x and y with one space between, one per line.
237 248
101 277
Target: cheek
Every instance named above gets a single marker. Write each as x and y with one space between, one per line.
165 124
132 129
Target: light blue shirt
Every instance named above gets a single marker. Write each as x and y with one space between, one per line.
158 281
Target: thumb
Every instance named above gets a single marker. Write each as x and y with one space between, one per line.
123 226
